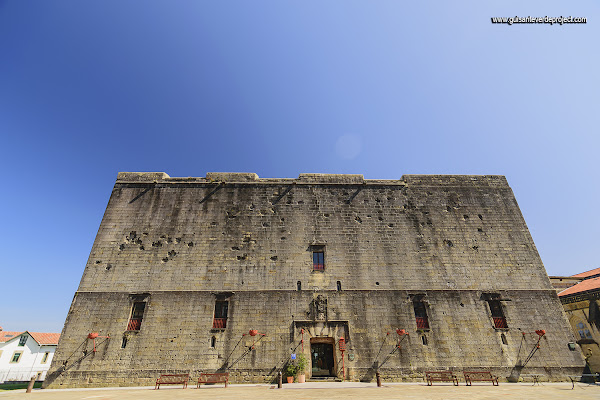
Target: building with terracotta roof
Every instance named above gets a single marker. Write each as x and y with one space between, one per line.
582 305
26 354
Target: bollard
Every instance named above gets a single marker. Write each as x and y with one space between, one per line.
30 386
378 379
279 380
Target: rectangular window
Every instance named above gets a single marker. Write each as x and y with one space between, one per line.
420 314
23 340
318 260
497 314
220 318
16 357
45 358
137 314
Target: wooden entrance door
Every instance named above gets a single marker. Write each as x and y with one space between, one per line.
322 359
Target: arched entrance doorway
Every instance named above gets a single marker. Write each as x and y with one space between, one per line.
321 357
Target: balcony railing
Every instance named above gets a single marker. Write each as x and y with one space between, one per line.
422 323
219 323
500 323
318 267
134 324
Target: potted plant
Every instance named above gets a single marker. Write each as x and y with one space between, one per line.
301 363
290 371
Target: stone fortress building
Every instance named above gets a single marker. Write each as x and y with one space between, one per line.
236 273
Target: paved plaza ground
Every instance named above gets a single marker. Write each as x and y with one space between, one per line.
329 391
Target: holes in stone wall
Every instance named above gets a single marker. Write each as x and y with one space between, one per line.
235 248
448 243
158 243
248 239
479 230
480 216
122 247
124 342
476 248
108 267
283 238
377 283
503 338
339 286
466 217
274 258
299 285
424 340
358 219
213 342
98 261
242 257
191 244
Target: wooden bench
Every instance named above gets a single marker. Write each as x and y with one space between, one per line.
480 376
440 376
580 378
534 377
220 377
172 379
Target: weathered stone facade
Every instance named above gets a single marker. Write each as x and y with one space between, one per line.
456 247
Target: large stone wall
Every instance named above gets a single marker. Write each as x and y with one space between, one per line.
179 244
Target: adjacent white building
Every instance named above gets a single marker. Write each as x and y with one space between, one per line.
26 354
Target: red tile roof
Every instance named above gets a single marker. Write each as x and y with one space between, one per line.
583 286
5 336
40 337
588 273
45 338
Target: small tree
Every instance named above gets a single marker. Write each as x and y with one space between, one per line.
291 369
301 363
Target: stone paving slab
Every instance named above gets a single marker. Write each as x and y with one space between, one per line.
329 391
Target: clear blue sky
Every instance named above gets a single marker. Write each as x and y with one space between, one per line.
380 88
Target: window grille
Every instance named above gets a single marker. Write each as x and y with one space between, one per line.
220 317
420 313
497 314
318 261
137 314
